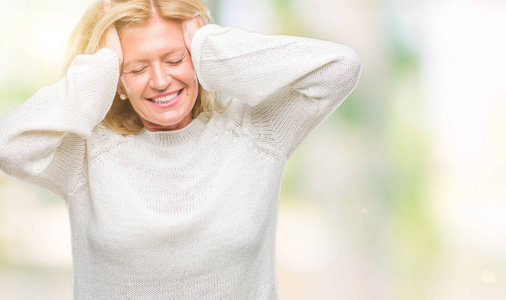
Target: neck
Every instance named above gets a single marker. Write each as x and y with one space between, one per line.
150 126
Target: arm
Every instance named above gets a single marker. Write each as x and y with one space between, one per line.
42 141
292 84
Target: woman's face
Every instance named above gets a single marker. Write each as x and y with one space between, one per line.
158 75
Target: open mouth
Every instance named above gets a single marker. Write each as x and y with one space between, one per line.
167 98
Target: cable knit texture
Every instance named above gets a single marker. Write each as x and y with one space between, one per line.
184 214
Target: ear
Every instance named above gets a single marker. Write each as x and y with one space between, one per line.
121 88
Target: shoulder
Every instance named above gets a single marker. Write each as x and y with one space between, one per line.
103 139
237 114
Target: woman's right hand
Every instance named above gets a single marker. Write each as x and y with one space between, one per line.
111 38
111 41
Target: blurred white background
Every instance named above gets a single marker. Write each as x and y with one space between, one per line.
401 194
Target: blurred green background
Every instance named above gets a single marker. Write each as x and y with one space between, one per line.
400 194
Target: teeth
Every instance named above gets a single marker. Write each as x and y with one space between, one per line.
166 98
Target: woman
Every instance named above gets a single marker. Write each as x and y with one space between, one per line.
171 195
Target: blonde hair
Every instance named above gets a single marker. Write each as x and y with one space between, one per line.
88 35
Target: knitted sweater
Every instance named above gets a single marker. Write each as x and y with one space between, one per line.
189 213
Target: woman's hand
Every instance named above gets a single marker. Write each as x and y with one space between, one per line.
190 26
111 41
111 38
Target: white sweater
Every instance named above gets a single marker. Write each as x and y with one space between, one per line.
184 214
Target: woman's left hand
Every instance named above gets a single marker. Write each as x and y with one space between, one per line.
190 26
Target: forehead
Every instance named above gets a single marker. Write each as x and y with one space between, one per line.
157 34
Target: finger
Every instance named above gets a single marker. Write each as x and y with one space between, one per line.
186 33
187 41
107 5
200 21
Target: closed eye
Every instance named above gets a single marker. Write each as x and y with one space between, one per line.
138 70
175 62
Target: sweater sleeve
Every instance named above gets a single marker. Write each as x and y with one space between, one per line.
291 83
42 141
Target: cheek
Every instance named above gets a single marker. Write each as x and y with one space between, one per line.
134 85
188 75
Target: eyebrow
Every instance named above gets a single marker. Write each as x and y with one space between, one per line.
127 65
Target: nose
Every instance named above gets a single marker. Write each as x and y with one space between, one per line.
160 77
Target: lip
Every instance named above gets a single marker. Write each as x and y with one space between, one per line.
164 95
170 103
